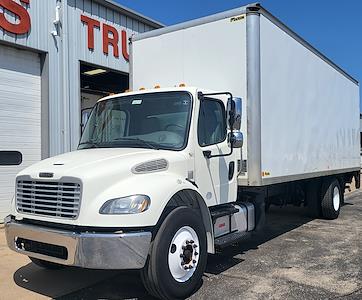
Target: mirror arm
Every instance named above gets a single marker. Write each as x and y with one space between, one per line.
208 154
201 95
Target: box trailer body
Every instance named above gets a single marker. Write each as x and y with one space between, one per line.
300 110
161 176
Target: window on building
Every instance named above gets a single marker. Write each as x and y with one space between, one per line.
10 158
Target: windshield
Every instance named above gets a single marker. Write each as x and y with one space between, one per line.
157 121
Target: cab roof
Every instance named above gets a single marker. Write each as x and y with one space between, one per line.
191 90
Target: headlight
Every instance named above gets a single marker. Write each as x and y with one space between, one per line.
127 205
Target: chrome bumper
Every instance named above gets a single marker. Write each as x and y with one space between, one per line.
86 250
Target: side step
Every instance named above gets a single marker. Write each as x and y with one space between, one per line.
233 222
223 210
231 238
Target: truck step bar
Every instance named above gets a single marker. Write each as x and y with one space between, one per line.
231 238
225 210
232 222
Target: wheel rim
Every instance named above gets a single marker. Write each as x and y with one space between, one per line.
336 198
183 254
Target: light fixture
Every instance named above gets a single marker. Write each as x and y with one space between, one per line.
56 21
134 204
94 72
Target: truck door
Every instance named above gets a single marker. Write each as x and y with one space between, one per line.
216 177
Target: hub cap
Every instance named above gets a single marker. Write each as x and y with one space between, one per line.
336 198
183 254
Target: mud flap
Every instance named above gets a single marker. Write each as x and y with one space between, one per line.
259 203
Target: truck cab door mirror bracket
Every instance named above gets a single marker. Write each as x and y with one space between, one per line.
201 95
208 155
234 119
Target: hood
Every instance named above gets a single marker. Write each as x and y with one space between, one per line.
97 162
108 173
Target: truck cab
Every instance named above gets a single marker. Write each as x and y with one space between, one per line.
155 172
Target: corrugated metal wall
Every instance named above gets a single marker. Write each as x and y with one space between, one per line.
78 36
42 15
64 54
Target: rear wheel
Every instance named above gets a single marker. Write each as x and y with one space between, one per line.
332 198
46 264
177 257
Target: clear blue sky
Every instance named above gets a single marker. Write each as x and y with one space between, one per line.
333 27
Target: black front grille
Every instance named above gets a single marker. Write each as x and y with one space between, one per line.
42 248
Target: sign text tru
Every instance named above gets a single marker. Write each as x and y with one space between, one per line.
110 37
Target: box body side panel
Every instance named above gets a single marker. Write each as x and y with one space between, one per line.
309 111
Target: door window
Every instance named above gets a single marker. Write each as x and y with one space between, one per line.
212 128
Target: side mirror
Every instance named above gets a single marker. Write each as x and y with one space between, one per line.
236 138
234 111
238 113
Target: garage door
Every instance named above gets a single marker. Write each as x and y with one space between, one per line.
20 92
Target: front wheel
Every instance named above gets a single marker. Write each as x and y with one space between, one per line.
177 257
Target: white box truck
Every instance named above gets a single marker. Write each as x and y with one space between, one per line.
162 176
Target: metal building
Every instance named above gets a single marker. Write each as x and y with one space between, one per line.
57 58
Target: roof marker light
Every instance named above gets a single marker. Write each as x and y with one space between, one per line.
182 85
157 86
142 88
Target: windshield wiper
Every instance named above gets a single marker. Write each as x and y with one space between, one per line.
150 145
92 144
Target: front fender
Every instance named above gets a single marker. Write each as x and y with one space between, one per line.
160 187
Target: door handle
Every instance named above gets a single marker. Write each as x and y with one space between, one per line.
231 170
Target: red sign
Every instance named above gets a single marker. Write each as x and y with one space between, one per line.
23 24
110 37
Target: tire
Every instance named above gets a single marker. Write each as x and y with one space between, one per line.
46 264
164 275
331 199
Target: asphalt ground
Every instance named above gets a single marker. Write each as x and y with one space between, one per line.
295 257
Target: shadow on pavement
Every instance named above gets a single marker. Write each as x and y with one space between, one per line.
56 283
74 283
278 222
